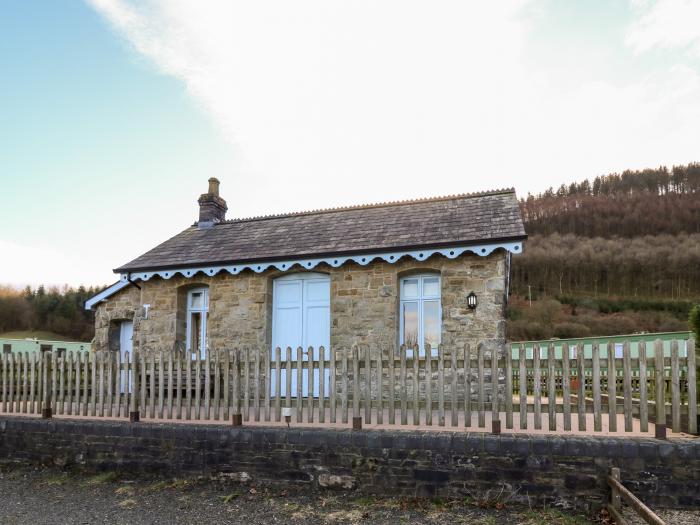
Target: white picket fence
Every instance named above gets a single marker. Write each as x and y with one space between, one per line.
447 387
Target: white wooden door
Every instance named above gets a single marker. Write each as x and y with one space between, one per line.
126 335
301 317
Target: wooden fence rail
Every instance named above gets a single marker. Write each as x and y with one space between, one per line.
443 387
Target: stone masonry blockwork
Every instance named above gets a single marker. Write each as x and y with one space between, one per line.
364 305
566 471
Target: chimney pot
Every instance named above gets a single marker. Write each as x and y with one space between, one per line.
214 186
212 208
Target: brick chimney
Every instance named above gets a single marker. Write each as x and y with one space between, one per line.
212 208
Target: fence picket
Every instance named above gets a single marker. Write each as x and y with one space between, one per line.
566 385
32 384
522 384
266 366
135 393
345 394
675 389
581 391
236 382
69 393
403 385
627 384
612 389
178 386
643 395
61 383
256 385
5 385
416 395
161 385
198 386
207 387
392 389
288 379
143 406
368 386
380 386
300 381
692 388
495 411
332 385
278 383
508 356
110 381
216 377
102 388
356 382
454 409
122 386
152 386
428 385
226 371
321 384
309 365
246 383
24 358
551 389
537 386
467 386
441 386
597 417
660 405
480 401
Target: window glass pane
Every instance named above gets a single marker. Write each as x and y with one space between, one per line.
195 331
431 323
410 324
196 300
431 287
410 289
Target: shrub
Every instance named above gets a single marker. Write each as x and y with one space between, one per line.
567 330
694 321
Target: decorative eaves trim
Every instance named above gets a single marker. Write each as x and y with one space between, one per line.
307 264
334 262
107 292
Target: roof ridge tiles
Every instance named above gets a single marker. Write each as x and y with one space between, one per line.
385 204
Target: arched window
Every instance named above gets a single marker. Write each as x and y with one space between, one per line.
420 311
197 316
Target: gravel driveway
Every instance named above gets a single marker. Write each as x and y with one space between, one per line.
38 496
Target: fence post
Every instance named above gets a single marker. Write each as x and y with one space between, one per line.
660 415
46 409
615 493
134 414
237 416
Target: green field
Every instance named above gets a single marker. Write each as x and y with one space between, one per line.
34 334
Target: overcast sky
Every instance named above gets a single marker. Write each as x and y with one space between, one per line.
115 113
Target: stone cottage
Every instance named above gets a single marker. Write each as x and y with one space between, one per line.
425 271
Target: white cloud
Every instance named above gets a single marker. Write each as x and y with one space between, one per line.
666 24
332 101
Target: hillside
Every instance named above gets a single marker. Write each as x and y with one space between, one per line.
620 253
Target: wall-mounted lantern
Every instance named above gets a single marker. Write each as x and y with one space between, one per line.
471 301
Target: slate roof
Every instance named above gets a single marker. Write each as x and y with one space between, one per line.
435 222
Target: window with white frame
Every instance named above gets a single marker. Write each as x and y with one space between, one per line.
421 315
197 316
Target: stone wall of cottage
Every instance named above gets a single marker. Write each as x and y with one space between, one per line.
364 305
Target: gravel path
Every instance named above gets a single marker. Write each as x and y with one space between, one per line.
37 496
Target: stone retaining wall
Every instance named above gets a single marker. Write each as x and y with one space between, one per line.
568 471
